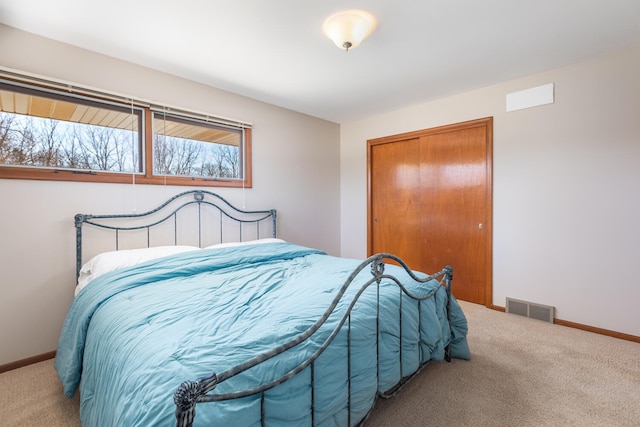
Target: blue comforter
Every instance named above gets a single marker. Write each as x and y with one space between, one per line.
132 336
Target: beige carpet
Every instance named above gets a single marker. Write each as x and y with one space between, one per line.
524 373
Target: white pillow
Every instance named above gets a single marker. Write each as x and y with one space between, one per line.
247 242
110 261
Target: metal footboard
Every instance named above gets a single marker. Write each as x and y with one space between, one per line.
191 393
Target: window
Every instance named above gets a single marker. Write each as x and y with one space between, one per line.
47 130
51 134
187 147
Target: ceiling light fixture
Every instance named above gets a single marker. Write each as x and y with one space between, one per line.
347 29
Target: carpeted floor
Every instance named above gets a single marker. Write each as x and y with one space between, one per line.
524 372
32 396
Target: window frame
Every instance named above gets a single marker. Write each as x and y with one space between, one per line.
203 126
47 88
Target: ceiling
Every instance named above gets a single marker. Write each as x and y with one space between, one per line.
274 50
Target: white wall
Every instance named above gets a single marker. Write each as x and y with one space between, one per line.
295 170
566 188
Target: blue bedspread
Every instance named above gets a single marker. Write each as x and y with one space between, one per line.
132 336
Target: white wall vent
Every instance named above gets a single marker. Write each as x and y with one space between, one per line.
533 97
532 310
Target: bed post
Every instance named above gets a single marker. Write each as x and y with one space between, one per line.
79 219
185 399
273 219
448 277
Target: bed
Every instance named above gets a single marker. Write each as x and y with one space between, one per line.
223 323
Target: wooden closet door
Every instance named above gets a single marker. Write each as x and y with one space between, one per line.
396 210
430 203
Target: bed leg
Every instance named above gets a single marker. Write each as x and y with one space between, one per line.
447 353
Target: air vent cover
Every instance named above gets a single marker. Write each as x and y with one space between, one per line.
532 310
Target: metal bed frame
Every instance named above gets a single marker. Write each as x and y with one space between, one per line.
200 198
190 393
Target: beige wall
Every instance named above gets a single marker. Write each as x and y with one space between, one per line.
295 170
566 199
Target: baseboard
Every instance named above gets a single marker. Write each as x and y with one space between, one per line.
607 332
615 334
28 361
497 308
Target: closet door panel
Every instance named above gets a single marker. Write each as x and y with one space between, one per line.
396 204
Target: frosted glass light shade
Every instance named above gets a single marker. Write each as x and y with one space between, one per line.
347 29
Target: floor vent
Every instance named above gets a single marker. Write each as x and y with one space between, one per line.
529 309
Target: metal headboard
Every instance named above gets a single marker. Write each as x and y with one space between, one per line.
198 197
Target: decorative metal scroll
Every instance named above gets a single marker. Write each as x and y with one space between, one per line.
199 197
192 392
